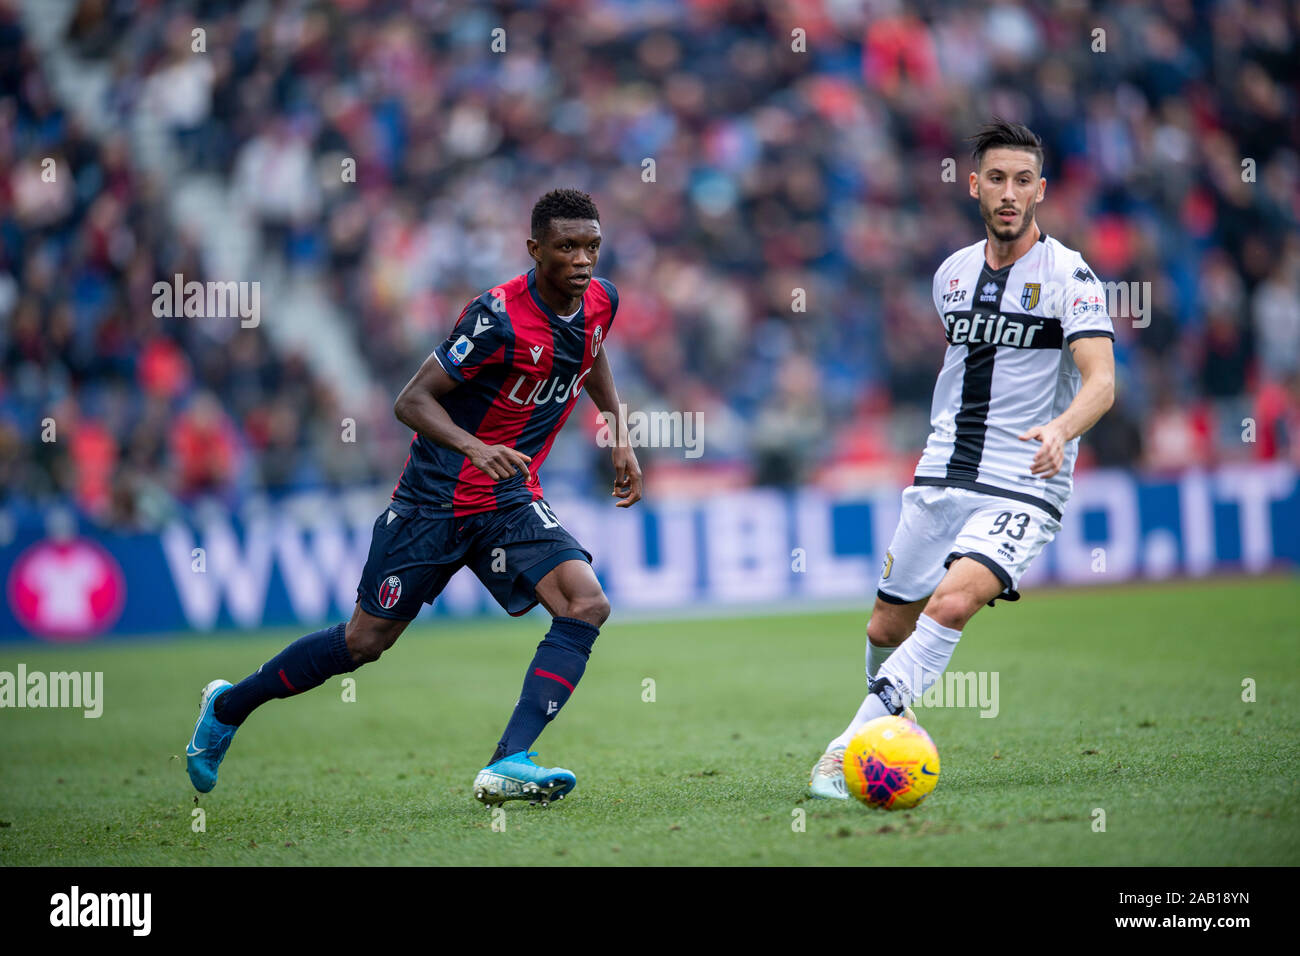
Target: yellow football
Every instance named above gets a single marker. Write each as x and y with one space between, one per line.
892 764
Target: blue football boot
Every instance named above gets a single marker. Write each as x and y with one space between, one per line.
517 778
211 738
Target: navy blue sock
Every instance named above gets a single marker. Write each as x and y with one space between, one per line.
306 663
554 673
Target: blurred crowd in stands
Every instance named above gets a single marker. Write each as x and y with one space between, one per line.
798 155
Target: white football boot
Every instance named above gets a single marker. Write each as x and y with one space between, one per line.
827 782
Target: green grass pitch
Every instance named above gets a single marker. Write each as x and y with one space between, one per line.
1125 700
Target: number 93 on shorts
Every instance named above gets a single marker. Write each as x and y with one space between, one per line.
938 525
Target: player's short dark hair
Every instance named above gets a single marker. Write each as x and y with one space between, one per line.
561 204
1001 134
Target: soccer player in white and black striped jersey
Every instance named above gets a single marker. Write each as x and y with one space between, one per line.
1029 368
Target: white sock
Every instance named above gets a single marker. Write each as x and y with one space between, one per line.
865 712
876 655
921 659
919 663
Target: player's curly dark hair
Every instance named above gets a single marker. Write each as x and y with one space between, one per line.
561 204
1002 134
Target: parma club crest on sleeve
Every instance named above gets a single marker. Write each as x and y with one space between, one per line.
390 591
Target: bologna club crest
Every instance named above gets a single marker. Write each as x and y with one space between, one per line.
390 591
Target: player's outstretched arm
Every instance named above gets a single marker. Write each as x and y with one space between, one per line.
1095 358
418 408
627 471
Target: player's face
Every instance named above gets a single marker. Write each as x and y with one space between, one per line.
566 256
1008 186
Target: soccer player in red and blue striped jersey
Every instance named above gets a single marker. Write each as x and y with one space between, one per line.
484 408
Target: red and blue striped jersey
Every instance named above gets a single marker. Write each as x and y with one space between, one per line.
519 369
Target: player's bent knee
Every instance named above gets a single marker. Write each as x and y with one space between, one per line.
367 643
364 647
592 608
884 630
952 608
890 624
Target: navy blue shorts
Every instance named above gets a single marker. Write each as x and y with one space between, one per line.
414 554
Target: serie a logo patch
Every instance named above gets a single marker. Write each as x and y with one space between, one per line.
459 350
390 591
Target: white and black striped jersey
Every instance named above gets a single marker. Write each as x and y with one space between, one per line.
1008 368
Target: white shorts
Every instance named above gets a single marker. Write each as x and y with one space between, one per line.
938 525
